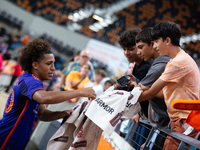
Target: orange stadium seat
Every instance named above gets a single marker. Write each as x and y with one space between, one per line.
141 14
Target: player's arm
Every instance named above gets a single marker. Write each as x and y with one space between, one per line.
47 115
53 97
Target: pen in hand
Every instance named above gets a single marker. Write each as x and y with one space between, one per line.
136 79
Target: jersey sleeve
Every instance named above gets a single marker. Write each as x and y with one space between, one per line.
32 87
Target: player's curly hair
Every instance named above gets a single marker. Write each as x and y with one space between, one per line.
33 52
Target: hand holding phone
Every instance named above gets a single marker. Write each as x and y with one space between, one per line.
133 81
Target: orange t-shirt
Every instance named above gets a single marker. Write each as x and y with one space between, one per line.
74 77
182 75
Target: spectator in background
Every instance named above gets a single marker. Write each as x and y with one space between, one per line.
99 75
7 64
2 31
84 58
17 72
108 84
77 80
13 41
16 43
130 68
3 47
75 58
1 63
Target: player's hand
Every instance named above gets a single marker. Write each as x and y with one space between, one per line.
88 92
67 113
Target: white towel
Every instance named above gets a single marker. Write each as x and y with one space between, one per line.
104 113
78 132
108 109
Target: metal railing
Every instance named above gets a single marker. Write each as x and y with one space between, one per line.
152 141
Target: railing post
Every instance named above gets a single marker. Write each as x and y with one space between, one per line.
148 144
183 146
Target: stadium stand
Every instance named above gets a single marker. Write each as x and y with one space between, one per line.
141 14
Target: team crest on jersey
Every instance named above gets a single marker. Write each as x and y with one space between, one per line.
36 109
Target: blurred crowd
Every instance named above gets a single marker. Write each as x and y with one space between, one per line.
11 44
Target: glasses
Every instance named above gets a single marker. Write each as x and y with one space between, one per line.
85 56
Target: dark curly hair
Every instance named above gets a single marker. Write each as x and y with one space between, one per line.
127 38
33 52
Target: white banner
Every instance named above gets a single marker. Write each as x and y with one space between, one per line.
108 54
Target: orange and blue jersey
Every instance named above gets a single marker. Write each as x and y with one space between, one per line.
19 113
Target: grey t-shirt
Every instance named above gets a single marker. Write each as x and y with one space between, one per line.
158 105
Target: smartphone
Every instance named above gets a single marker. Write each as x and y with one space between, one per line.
123 81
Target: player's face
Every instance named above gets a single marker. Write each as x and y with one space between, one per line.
45 67
131 53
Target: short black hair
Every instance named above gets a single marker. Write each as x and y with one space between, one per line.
127 38
145 36
6 56
33 52
167 29
112 82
